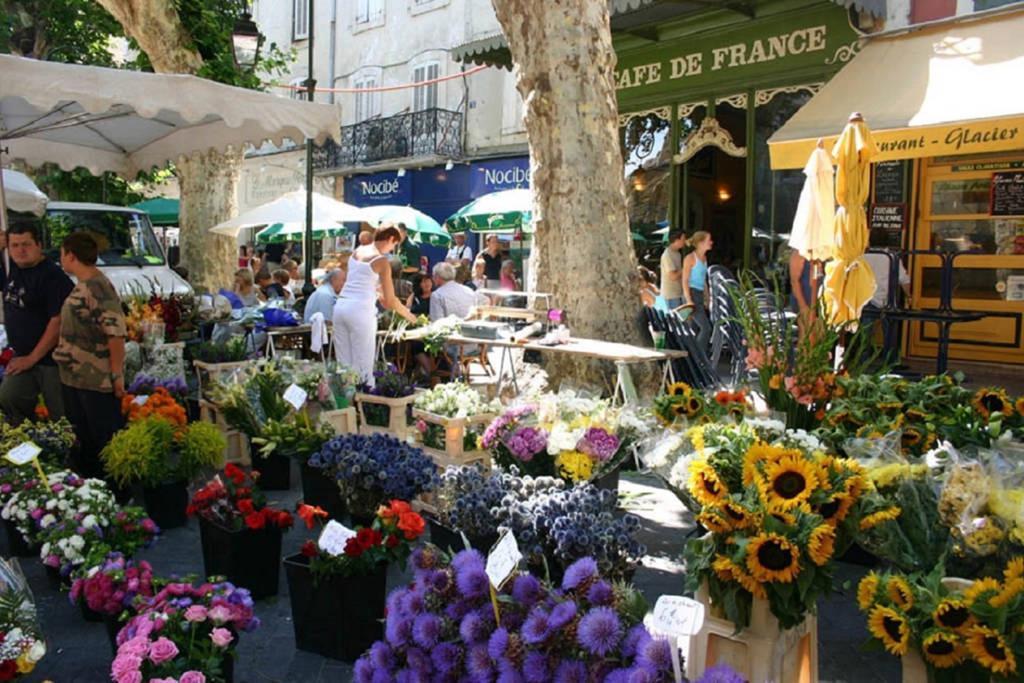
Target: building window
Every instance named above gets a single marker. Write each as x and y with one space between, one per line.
930 10
425 96
367 105
369 11
300 19
980 5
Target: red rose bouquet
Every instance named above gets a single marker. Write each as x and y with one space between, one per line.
234 501
387 540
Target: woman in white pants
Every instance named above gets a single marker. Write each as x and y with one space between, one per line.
355 313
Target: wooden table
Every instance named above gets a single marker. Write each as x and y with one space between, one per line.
623 355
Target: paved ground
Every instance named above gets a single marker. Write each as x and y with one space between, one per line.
79 652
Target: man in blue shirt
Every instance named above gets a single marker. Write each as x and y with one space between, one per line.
34 289
322 300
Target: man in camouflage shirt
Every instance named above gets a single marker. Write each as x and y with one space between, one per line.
90 353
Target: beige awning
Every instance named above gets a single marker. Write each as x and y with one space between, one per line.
943 90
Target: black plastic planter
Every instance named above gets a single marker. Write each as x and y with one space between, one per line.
56 581
113 626
446 538
275 472
322 490
17 546
609 481
88 613
248 558
166 504
338 617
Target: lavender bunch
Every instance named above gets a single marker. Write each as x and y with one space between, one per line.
147 384
371 470
442 627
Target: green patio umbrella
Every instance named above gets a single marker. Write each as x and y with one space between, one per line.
497 212
161 210
422 227
283 232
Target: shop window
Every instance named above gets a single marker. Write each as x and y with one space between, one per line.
645 138
776 193
930 10
425 96
300 19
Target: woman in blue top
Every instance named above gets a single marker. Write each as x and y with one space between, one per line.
695 280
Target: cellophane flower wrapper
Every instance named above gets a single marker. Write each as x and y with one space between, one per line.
23 644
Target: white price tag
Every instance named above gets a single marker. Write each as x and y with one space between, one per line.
503 559
24 454
334 537
141 399
678 616
295 395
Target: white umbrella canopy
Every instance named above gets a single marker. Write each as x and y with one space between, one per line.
21 193
130 121
813 225
290 209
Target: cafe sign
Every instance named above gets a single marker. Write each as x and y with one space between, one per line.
821 37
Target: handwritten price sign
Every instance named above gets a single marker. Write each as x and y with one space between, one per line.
334 537
295 395
503 560
678 616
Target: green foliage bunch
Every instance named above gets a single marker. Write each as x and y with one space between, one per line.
150 451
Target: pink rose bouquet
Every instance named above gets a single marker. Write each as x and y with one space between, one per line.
183 634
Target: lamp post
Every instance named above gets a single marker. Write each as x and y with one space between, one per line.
307 241
246 40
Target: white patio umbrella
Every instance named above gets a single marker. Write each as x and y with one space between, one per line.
813 225
290 210
21 193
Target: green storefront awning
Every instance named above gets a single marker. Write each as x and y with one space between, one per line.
162 211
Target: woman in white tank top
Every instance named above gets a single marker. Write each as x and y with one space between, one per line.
355 313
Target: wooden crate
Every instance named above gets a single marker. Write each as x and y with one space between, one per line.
237 450
343 420
760 652
454 430
208 373
398 426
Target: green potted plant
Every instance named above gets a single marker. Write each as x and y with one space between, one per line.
297 437
163 459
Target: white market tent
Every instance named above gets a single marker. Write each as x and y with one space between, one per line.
129 121
290 210
22 194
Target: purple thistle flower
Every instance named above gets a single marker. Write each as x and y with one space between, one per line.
456 610
467 559
561 614
601 593
526 589
599 631
655 653
425 630
398 631
509 675
478 663
536 628
473 583
571 672
381 656
445 657
535 668
498 643
721 673
419 662
578 572
473 628
635 637
364 671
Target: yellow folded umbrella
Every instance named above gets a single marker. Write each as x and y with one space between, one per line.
849 281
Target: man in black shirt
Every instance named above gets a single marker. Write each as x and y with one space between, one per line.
492 262
34 289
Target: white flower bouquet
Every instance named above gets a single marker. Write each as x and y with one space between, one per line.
40 505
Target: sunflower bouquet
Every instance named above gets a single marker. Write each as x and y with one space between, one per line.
682 404
964 634
777 512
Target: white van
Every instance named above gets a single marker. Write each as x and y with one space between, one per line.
129 253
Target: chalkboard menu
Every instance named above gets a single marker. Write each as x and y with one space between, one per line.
891 218
890 182
1007 197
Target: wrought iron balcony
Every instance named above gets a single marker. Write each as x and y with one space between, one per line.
427 133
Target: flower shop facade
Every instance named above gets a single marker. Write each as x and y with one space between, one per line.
699 95
949 176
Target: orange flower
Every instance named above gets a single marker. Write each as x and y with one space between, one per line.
159 404
41 411
411 524
396 509
309 514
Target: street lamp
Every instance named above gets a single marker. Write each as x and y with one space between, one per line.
307 242
246 40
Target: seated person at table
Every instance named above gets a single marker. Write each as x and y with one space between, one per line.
282 278
244 287
450 297
479 280
269 289
325 296
423 288
881 265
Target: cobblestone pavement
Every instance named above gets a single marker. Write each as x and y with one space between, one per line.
79 651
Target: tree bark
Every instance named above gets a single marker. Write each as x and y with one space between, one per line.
582 249
208 181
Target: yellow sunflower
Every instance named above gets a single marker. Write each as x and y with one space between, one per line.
982 589
1011 589
1019 405
822 544
953 614
679 409
988 648
771 557
867 589
836 509
739 516
759 453
916 414
890 406
705 485
890 627
693 405
787 518
725 569
855 487
912 436
990 400
1014 569
750 584
899 592
876 518
714 522
787 482
696 437
679 389
942 649
835 419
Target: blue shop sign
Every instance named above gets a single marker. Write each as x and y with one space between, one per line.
500 174
379 188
